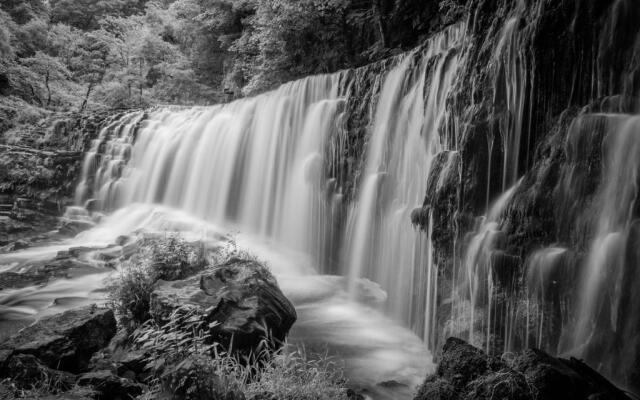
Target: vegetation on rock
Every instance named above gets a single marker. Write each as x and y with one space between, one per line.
167 259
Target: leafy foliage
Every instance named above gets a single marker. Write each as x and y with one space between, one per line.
81 55
186 365
167 259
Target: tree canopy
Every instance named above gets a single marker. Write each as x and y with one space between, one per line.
86 54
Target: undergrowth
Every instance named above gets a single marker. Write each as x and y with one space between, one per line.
168 259
43 388
186 365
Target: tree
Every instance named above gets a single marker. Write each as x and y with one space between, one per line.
86 14
48 69
92 61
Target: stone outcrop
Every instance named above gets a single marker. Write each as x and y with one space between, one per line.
63 342
240 301
110 386
39 171
466 372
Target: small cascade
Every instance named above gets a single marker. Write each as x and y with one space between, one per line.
513 79
544 276
475 287
104 162
603 306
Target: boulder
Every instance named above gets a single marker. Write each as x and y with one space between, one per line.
461 363
240 300
73 227
250 305
435 388
15 246
108 386
551 377
466 372
64 341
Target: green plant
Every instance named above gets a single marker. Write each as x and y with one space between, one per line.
43 388
186 365
130 294
174 259
170 258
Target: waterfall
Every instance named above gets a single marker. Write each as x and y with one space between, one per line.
260 166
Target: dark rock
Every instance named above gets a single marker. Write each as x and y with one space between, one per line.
64 341
502 385
15 246
466 372
40 272
250 306
134 361
15 280
435 388
73 227
26 371
461 362
353 395
241 297
552 378
109 386
92 205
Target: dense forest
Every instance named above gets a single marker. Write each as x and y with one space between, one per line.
64 55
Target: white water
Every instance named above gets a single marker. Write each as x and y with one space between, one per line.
600 286
381 245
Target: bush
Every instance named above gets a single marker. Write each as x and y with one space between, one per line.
44 388
186 365
168 259
174 259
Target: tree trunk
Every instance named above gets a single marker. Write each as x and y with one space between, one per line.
46 84
86 97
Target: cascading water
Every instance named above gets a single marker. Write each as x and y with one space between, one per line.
475 286
603 306
260 166
405 138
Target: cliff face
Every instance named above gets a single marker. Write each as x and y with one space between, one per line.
39 169
542 126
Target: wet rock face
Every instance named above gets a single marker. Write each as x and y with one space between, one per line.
64 342
250 305
109 386
540 86
25 369
240 300
466 372
39 169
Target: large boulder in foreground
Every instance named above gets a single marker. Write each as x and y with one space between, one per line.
466 372
240 301
64 341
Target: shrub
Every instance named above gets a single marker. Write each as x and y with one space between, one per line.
173 258
130 294
44 388
185 366
168 259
